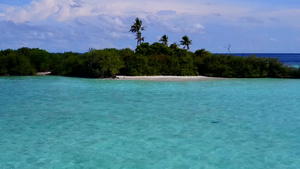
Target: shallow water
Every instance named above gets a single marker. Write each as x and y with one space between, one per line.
60 122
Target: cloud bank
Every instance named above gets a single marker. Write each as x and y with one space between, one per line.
77 25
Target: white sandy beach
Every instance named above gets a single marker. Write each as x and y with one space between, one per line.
166 78
43 73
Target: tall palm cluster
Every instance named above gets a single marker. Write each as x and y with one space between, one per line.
186 42
136 28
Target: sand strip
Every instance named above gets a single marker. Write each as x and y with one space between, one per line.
43 73
166 78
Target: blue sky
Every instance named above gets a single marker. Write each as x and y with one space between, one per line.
249 26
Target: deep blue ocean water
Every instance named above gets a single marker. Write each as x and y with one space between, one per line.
61 122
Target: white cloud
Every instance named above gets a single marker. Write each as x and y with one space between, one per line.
88 21
171 27
119 35
61 10
273 39
115 23
198 26
195 28
65 10
69 9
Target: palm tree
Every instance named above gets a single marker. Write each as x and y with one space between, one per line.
137 28
186 42
164 40
139 38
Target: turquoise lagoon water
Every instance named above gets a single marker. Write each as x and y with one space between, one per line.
60 122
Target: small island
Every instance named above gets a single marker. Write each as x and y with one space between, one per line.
147 60
157 59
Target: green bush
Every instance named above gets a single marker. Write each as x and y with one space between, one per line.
13 63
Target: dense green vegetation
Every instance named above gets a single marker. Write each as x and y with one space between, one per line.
154 59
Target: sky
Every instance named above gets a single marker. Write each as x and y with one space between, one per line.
247 26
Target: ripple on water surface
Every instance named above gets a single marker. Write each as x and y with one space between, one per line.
59 122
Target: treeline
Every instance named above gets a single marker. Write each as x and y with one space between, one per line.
25 61
146 60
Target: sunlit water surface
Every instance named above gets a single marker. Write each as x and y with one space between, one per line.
59 122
